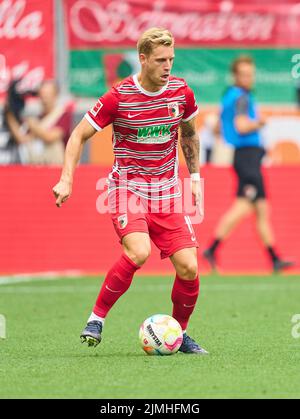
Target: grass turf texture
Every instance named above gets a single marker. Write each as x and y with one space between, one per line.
244 322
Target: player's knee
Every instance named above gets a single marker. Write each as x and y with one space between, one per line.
188 270
140 255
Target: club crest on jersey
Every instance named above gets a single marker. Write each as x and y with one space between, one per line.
173 109
122 220
94 111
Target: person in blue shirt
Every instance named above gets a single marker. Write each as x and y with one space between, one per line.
240 125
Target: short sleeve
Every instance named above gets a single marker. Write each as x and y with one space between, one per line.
104 111
191 108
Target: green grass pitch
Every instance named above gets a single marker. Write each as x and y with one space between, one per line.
244 322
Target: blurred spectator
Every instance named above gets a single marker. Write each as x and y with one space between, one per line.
9 153
213 149
208 136
42 140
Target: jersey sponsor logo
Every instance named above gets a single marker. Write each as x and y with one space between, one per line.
123 221
95 110
173 109
154 134
134 115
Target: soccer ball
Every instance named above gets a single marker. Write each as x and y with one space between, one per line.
160 335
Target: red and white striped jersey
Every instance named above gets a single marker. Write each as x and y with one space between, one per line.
145 134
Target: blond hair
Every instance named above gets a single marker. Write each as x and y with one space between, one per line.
152 38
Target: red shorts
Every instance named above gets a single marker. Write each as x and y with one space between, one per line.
169 230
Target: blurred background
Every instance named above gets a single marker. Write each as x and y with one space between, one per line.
58 57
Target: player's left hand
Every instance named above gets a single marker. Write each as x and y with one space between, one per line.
198 195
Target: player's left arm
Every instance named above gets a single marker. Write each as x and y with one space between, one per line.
191 148
190 145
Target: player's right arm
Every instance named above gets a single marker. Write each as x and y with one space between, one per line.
243 123
63 189
101 115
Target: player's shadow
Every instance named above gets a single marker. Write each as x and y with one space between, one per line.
110 355
103 355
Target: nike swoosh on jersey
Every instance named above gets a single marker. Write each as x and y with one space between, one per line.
133 116
110 289
187 306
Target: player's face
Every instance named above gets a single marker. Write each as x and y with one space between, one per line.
245 76
158 64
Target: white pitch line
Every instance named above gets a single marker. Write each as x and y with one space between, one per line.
6 280
68 289
45 276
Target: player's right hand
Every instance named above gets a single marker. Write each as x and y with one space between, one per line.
62 191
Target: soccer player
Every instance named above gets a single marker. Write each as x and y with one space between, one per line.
146 111
240 126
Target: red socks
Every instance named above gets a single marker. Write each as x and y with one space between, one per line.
119 278
116 283
184 298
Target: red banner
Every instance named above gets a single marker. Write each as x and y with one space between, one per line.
113 23
36 236
26 42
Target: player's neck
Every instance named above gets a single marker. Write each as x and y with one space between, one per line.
147 84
